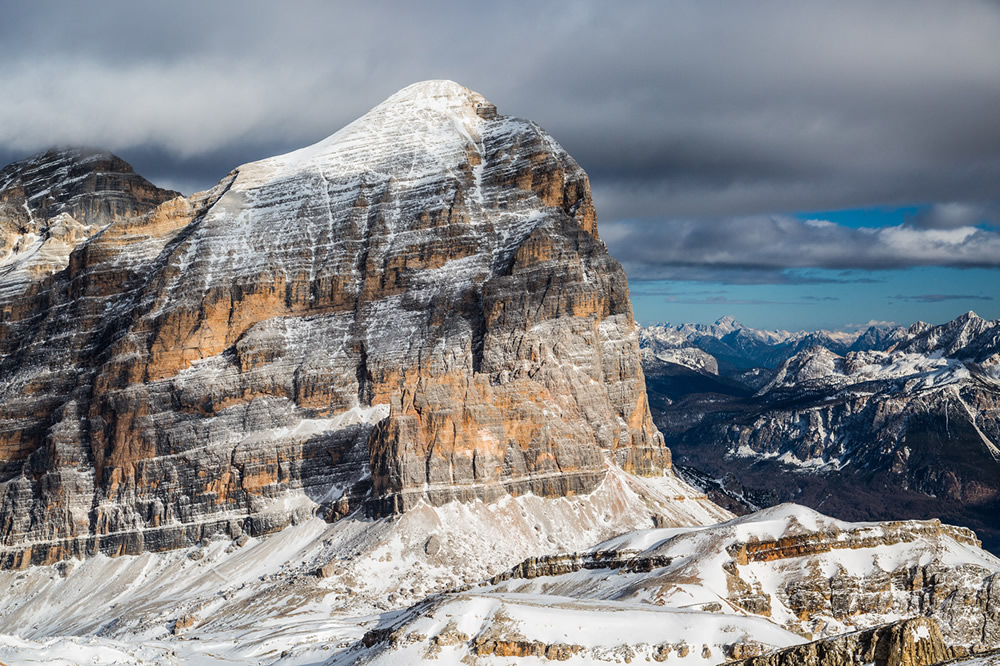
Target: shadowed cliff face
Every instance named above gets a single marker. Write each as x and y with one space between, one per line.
416 308
53 201
93 187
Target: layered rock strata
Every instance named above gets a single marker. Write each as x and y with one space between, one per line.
915 642
52 202
417 308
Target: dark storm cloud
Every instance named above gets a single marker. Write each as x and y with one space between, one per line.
723 300
957 214
676 109
692 271
717 297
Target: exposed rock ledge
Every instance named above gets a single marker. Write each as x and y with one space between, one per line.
915 642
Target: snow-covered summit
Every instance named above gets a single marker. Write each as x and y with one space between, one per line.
425 126
437 93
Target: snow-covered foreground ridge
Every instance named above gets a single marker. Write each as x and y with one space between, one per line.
315 588
776 578
511 582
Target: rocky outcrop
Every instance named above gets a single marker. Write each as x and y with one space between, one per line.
736 590
915 642
988 658
417 308
485 646
962 597
52 202
557 565
888 534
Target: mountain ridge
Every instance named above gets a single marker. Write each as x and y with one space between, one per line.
415 309
54 200
900 423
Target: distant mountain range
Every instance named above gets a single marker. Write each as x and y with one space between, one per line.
738 347
887 423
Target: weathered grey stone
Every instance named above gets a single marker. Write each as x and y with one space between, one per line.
416 309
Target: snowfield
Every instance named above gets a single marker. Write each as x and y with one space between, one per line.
438 583
312 590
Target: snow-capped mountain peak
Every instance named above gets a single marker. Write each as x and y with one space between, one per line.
426 127
968 337
727 323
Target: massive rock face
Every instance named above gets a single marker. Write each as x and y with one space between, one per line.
416 308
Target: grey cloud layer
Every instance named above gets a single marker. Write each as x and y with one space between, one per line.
676 109
762 248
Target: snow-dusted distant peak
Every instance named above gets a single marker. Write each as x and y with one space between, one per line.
969 316
920 371
968 337
730 329
727 323
808 365
689 357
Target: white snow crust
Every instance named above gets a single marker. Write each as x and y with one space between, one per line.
260 601
256 599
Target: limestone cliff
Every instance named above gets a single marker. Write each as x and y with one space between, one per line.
52 202
915 642
416 308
